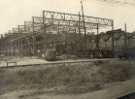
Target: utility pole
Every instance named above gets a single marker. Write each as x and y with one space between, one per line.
125 26
125 34
33 38
79 30
97 38
44 26
84 27
79 24
18 29
112 39
83 17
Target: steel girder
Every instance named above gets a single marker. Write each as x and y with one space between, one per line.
63 20
75 17
69 20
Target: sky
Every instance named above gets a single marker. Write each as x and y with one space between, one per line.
15 12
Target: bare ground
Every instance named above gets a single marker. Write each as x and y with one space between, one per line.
83 81
112 92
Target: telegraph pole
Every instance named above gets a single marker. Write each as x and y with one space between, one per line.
79 24
84 27
97 38
33 38
83 17
112 39
44 27
125 34
125 27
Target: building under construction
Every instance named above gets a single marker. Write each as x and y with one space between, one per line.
65 33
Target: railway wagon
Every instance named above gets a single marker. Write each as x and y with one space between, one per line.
128 54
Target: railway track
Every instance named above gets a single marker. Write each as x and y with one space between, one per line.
54 63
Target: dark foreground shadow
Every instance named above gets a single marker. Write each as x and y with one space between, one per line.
129 96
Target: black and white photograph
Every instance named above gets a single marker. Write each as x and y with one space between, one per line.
67 49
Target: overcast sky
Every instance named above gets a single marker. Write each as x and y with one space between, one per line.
15 12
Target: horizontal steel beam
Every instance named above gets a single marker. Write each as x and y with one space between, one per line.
70 16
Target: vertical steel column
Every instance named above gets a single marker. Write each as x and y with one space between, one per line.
18 47
18 29
97 38
58 28
83 18
33 38
0 45
79 29
125 38
44 26
97 42
84 27
112 39
25 28
21 48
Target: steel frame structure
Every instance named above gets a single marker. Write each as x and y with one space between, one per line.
59 22
62 20
74 17
69 20
65 22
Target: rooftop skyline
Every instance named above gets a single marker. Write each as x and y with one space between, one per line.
15 12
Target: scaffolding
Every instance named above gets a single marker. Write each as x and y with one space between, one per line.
58 23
